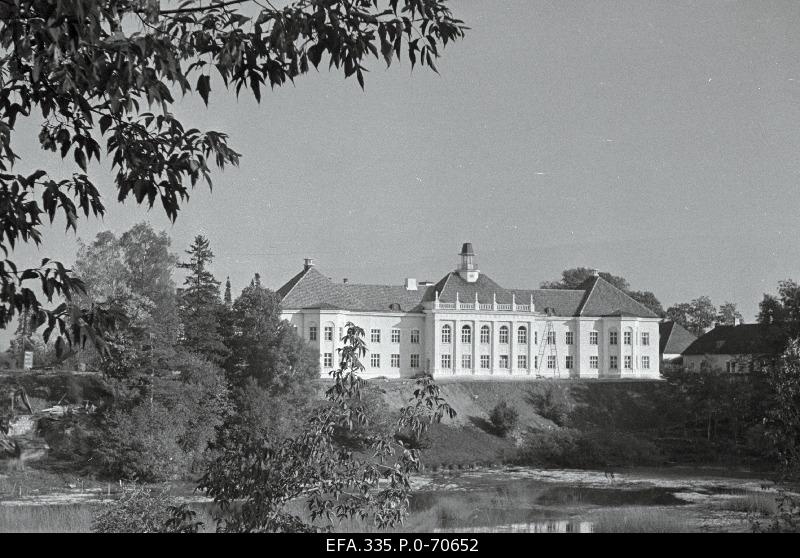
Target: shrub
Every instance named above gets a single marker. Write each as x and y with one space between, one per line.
503 418
140 510
553 402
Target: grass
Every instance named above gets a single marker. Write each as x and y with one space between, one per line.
68 518
642 520
757 503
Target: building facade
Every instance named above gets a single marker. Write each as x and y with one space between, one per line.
468 325
734 349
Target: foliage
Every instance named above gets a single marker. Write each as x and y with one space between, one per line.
553 402
783 309
263 476
200 306
783 417
265 347
503 418
728 314
142 510
574 277
88 68
164 436
785 520
130 278
573 448
696 316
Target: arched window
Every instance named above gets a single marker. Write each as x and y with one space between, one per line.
504 334
466 334
446 334
522 335
485 334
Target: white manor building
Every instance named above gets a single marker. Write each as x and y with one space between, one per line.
468 325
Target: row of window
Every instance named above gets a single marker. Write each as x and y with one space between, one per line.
375 360
374 335
485 361
522 362
522 336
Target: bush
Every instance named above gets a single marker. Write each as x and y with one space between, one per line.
553 402
140 510
503 418
569 447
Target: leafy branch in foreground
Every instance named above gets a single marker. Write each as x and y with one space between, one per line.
108 70
254 480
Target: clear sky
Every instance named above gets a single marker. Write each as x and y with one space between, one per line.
654 140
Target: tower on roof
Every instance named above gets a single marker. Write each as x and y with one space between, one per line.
468 270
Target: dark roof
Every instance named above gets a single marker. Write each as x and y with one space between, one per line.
484 287
311 289
596 298
604 299
674 338
564 302
744 339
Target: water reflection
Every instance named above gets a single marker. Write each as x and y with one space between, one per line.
548 526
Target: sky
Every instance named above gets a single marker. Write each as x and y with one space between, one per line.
658 141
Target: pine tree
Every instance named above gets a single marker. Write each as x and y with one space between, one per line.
200 306
227 298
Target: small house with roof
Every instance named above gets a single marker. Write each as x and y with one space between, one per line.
466 324
673 340
735 348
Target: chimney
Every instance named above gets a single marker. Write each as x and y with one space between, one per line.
411 284
344 281
307 263
595 272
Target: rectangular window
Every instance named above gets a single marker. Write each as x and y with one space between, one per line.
569 338
645 338
612 337
568 362
446 334
446 361
551 361
536 362
485 363
375 336
503 361
504 334
593 362
485 333
327 359
312 333
328 333
612 363
628 362
535 337
593 338
415 361
522 336
646 363
395 336
395 360
375 360
466 361
522 361
551 337
626 337
341 332
415 336
466 334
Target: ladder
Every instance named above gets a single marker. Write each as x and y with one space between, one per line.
548 349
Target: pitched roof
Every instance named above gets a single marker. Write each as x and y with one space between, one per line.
673 338
604 299
564 302
484 287
744 339
311 289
